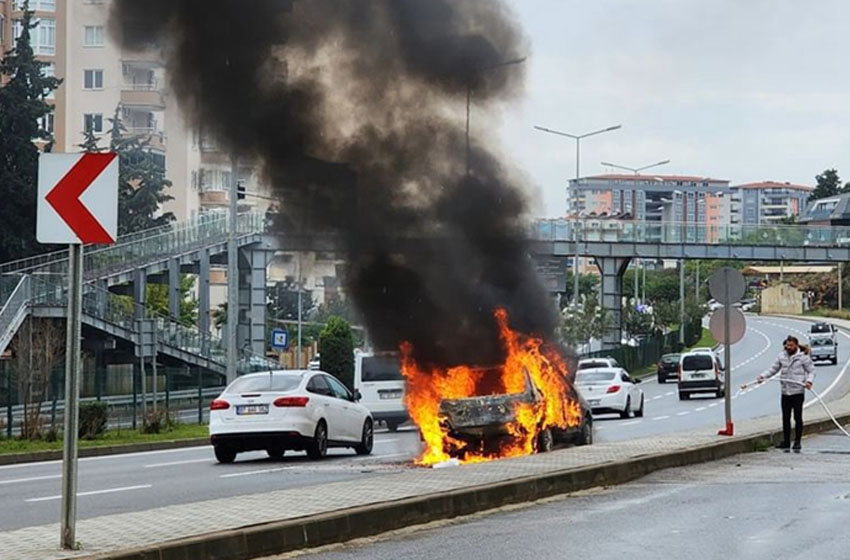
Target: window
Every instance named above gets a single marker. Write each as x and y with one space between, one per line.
381 368
93 36
36 5
318 386
259 383
339 390
49 70
92 79
17 28
2 28
93 122
46 123
44 37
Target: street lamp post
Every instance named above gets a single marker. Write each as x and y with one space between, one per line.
578 138
469 96
636 171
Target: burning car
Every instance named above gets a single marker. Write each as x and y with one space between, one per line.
486 424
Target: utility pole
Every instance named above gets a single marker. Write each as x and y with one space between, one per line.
840 287
696 285
232 275
298 354
682 302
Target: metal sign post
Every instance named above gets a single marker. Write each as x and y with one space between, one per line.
64 217
728 325
72 397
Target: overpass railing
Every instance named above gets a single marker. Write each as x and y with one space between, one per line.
617 231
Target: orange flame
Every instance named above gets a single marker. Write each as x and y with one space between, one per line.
426 388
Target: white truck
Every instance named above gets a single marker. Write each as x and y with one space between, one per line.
823 341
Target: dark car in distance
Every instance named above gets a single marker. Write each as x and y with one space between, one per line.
668 367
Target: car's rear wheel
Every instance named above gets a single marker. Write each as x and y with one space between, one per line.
392 425
662 378
224 454
684 396
545 441
835 360
627 411
367 440
276 453
585 435
639 412
318 446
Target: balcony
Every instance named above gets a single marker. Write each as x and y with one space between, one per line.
143 95
155 137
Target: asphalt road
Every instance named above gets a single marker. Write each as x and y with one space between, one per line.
782 506
753 355
121 483
30 493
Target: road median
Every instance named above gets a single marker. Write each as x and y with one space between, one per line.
98 451
345 524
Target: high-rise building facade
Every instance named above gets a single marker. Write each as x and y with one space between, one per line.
769 202
99 77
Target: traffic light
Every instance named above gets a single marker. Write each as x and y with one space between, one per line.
240 191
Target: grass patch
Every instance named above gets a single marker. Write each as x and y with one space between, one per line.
831 313
110 437
762 445
705 341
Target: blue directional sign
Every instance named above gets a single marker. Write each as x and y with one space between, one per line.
280 339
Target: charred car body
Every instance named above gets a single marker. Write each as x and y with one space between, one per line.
484 423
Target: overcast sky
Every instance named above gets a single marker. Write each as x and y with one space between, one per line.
745 90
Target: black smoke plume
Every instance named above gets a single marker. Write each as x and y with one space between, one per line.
355 109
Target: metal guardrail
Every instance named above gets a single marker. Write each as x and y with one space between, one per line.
13 312
620 231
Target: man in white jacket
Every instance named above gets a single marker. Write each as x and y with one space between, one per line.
797 373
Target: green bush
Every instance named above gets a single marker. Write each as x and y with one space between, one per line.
157 422
336 350
94 417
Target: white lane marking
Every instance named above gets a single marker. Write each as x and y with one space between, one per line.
378 441
172 463
700 409
251 473
205 448
683 413
668 393
661 418
93 492
632 423
712 405
655 398
31 479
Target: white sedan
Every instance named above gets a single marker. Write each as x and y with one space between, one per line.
288 410
608 390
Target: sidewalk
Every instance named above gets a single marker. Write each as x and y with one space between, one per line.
103 536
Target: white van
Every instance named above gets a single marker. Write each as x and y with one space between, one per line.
700 372
378 378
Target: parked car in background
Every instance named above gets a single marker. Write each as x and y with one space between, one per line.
297 410
378 377
315 363
700 372
593 363
823 348
610 390
668 367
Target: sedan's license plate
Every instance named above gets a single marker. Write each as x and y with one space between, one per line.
247 409
593 402
698 375
390 394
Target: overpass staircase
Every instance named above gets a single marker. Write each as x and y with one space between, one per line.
37 286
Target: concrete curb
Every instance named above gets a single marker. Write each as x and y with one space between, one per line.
339 526
38 456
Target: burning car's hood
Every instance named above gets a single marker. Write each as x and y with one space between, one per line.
483 411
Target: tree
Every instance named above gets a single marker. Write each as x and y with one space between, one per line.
588 285
141 181
636 323
90 143
336 350
283 302
38 349
334 306
828 184
588 321
157 300
22 106
219 316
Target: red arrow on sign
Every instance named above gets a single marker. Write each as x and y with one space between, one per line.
65 198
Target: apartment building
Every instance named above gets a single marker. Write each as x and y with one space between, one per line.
768 202
98 77
654 198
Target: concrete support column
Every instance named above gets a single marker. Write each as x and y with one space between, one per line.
612 269
252 299
140 290
174 289
204 296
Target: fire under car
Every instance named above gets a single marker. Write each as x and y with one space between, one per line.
483 423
